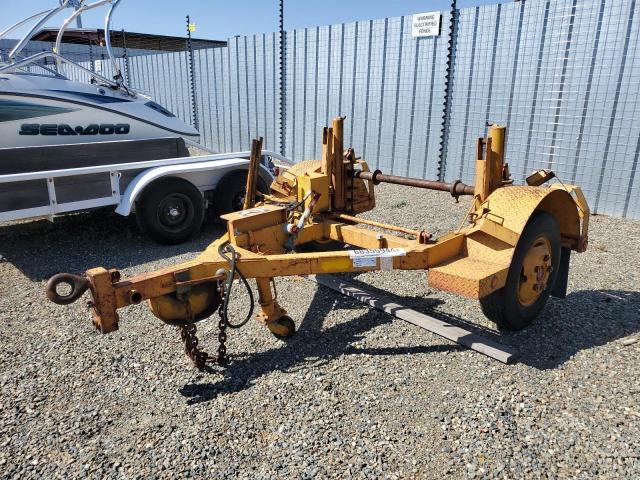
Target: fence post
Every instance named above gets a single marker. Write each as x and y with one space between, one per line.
91 59
192 78
283 83
125 55
448 88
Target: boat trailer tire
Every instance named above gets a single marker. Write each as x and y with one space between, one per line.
170 211
531 276
231 190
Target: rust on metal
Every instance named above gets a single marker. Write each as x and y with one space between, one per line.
252 174
316 202
456 188
422 235
76 284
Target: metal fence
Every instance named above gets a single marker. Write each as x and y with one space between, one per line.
563 75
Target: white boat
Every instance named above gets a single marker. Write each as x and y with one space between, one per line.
67 146
48 108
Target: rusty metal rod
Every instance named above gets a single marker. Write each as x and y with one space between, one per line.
456 188
421 235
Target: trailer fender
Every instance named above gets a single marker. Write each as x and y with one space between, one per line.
147 177
512 208
488 247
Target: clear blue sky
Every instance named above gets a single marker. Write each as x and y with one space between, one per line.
221 19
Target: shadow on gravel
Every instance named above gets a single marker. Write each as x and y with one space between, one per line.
75 243
585 319
310 346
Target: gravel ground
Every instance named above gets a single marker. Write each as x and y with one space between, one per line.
354 394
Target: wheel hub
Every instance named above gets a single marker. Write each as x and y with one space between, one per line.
535 273
174 212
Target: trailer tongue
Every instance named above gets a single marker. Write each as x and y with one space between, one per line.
512 254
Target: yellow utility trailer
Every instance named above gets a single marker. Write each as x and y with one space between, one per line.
511 251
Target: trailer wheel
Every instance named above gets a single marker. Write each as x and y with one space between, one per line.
171 211
284 329
531 277
231 190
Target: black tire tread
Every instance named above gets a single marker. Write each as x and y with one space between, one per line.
227 188
151 197
498 306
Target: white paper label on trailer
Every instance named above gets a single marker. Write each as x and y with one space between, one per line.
426 24
386 264
98 66
369 258
364 261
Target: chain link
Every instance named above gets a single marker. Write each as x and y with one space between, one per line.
188 334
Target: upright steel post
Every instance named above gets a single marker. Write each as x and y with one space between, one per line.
125 55
448 88
92 60
283 84
192 78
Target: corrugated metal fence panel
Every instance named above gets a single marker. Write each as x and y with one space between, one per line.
564 76
620 127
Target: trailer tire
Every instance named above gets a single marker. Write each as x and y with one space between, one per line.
523 297
170 211
231 190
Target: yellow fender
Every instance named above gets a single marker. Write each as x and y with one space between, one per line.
483 263
512 207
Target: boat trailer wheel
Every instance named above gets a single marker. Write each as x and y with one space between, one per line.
174 212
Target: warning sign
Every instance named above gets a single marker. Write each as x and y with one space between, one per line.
426 24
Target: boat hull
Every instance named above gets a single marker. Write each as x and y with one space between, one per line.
37 111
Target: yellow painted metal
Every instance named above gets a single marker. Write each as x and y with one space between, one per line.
105 301
479 269
536 269
314 182
270 310
339 179
580 244
512 207
495 156
488 244
259 229
472 261
170 308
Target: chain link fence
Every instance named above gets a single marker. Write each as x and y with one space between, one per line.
563 75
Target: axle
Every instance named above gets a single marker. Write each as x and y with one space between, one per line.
517 242
456 188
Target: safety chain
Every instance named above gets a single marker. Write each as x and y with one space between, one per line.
188 334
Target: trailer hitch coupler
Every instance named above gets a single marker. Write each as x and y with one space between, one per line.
77 284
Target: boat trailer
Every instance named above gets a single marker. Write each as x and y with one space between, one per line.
511 251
